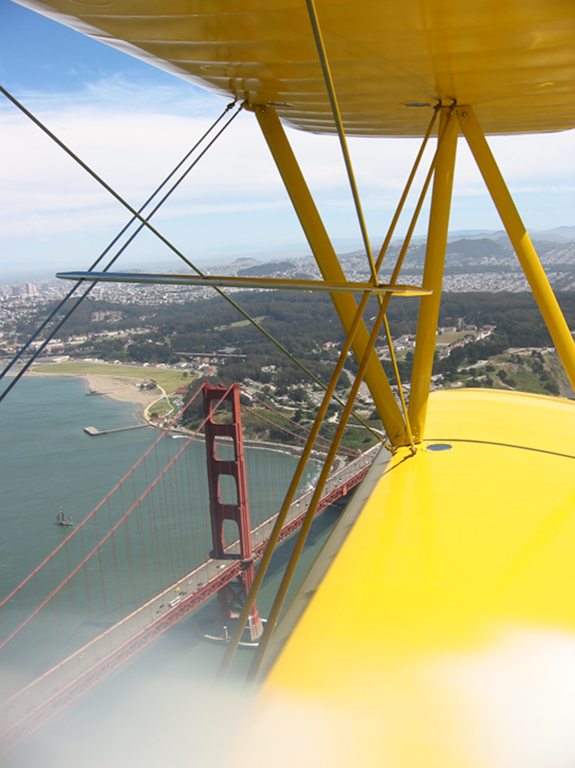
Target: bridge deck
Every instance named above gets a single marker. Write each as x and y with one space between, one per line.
53 691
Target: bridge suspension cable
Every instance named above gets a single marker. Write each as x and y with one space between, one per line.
149 531
323 442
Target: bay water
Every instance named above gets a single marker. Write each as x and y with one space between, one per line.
48 463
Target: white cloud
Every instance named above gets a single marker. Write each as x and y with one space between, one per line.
133 135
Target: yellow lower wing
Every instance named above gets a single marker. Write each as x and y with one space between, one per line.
443 632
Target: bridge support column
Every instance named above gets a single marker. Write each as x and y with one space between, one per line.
229 425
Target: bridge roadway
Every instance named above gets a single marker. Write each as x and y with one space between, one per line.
28 709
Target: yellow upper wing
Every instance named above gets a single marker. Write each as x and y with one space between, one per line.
512 60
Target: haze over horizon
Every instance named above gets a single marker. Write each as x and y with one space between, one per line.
226 257
562 234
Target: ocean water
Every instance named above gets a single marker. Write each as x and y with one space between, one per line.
49 462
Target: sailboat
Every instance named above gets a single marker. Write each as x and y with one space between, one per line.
437 626
61 519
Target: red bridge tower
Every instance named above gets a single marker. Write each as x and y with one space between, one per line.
232 596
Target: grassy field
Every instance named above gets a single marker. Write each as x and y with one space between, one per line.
445 339
163 408
167 379
518 372
239 324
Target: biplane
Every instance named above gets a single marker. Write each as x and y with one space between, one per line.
437 626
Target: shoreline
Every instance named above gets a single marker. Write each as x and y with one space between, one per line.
118 388
124 390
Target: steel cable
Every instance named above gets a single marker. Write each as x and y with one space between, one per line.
145 222
113 242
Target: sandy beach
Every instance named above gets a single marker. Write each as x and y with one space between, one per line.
119 388
122 389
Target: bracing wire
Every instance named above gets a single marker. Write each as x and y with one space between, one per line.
93 173
226 663
324 61
405 193
144 222
348 404
138 216
274 536
304 530
114 241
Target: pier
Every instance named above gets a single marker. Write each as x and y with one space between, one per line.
93 431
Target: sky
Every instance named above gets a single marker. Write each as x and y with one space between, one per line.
133 122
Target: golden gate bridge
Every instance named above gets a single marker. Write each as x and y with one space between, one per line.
168 537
